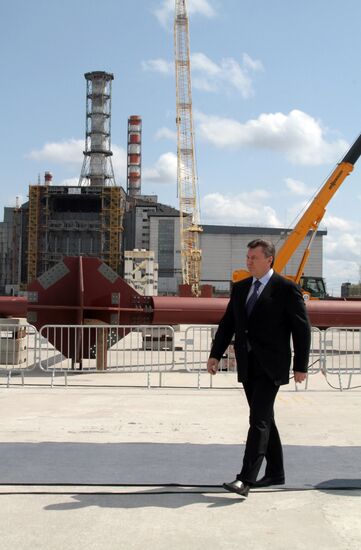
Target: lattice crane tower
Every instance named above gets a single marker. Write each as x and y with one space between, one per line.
186 166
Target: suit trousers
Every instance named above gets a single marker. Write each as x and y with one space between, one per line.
263 440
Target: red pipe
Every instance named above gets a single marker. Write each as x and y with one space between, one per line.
175 310
334 313
67 303
13 306
322 313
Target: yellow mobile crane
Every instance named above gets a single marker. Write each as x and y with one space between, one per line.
309 222
186 166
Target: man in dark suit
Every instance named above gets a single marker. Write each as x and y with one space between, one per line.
264 312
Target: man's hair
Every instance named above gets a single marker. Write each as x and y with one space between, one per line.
267 246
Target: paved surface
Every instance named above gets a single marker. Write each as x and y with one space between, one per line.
95 466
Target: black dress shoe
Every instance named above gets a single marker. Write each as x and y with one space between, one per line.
266 481
238 487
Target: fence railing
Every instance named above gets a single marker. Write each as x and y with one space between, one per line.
76 349
342 354
18 348
112 348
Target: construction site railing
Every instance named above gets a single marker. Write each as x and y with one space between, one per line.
342 355
106 348
74 349
18 348
198 342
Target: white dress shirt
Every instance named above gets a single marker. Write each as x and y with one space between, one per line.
263 280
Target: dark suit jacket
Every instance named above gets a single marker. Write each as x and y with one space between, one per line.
278 314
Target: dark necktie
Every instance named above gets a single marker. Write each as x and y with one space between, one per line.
253 298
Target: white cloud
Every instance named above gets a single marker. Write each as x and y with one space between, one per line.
342 252
209 76
252 64
233 73
297 187
343 246
163 171
158 65
165 133
66 152
165 12
340 224
296 134
240 209
70 152
201 62
337 272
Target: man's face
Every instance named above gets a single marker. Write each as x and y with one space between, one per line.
257 263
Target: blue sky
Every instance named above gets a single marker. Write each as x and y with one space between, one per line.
276 98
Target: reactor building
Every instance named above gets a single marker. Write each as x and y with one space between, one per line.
134 234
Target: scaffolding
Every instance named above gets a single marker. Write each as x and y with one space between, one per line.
59 225
33 231
113 201
16 244
45 215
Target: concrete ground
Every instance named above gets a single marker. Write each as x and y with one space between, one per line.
99 466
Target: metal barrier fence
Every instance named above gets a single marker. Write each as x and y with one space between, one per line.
65 349
18 348
112 348
197 344
342 354
198 341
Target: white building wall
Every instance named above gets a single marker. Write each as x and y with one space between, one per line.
223 253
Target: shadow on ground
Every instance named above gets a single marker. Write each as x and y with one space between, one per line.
168 463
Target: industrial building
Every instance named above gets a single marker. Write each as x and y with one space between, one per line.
224 249
10 255
137 236
349 290
149 226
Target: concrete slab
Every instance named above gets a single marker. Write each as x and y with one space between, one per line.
96 467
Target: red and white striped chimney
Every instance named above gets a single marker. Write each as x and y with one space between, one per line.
134 155
48 178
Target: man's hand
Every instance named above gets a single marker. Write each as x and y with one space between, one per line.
212 365
299 376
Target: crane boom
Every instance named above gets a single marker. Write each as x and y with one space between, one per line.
312 216
186 166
